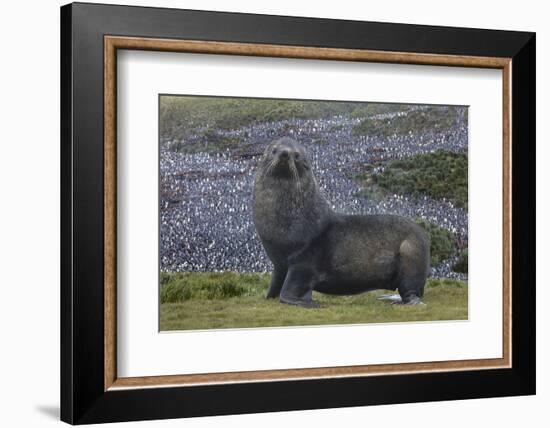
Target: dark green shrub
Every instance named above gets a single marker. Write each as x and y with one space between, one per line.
439 175
441 241
461 265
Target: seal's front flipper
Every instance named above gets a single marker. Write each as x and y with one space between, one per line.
298 287
394 298
277 280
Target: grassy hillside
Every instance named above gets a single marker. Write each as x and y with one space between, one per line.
429 119
439 175
182 114
233 300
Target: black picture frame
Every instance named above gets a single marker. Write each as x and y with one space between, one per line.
83 398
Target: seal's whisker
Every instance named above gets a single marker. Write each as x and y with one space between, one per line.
296 178
270 166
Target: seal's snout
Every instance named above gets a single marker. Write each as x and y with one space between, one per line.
287 154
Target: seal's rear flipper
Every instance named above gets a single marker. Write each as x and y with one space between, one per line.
394 298
413 300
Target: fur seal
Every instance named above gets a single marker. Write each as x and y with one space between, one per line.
314 248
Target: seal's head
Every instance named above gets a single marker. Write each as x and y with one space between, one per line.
285 158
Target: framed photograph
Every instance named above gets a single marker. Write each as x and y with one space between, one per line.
266 213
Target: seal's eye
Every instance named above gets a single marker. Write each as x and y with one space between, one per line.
274 151
296 155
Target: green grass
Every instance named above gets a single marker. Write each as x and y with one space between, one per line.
181 286
439 175
181 116
208 305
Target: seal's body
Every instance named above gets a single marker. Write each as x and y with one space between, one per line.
314 248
